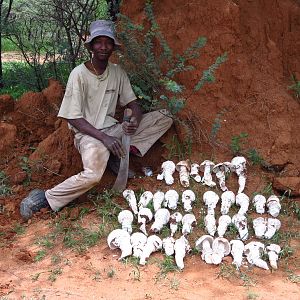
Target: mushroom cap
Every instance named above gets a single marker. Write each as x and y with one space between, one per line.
240 198
224 166
171 194
225 218
176 217
274 222
184 163
224 242
238 160
237 243
127 193
274 247
259 198
168 165
259 220
155 240
273 198
146 212
138 238
206 163
145 198
228 195
189 218
117 233
162 212
254 245
199 242
188 194
195 166
125 214
159 195
210 195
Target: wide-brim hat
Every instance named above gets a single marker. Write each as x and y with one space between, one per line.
101 28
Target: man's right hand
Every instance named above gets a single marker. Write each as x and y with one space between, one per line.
113 145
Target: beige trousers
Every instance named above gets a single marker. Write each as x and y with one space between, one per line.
95 155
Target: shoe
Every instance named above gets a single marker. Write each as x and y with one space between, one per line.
114 165
34 202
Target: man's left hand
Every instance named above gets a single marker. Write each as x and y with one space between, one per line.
130 128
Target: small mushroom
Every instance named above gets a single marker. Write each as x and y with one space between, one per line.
224 222
161 218
273 251
253 252
168 168
145 199
210 224
220 249
274 206
207 167
273 225
188 222
138 241
210 199
227 200
240 222
195 168
242 200
171 199
238 165
125 218
131 199
188 197
237 249
181 247
221 170
154 243
204 245
144 216
260 227
259 202
183 167
158 199
174 220
168 245
120 238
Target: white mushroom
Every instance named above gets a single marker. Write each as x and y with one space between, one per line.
242 200
210 224
224 222
188 222
158 199
240 222
220 248
210 199
168 168
259 202
207 167
181 247
188 197
168 245
171 199
125 218
253 252
161 218
260 227
237 249
120 238
195 168
227 200
238 165
183 167
221 170
145 199
273 225
204 245
144 216
273 251
138 241
174 220
131 199
154 243
274 206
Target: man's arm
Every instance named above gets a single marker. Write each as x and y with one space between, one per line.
130 127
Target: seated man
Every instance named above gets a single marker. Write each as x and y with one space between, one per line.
93 91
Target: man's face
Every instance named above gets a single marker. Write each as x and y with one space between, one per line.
102 47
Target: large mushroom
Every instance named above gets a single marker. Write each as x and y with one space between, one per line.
168 168
171 199
175 219
138 241
181 247
154 243
237 250
210 199
183 167
273 251
131 199
242 200
224 222
158 199
210 224
260 227
221 170
220 248
144 216
161 218
188 197
188 222
240 222
145 199
168 245
273 225
253 252
125 218
238 165
274 206
207 167
120 238
227 200
194 173
259 202
204 245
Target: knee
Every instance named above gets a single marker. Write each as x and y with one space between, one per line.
91 177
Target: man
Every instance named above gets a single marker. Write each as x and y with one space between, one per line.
92 93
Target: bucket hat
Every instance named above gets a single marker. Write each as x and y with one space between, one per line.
101 28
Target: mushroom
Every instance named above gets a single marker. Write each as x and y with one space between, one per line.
183 167
259 202
242 200
120 238
221 170
220 248
171 199
154 243
253 252
174 220
158 199
181 247
273 251
224 222
237 249
188 222
207 167
210 224
195 172
138 241
161 218
227 199
188 197
274 206
240 222
260 227
125 218
131 199
168 245
168 168
144 216
273 225
210 199
238 165
204 245
145 198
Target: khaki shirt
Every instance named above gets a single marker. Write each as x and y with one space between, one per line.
94 100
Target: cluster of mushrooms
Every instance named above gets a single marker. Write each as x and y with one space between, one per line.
164 205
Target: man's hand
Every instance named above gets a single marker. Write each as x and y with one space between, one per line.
113 145
130 128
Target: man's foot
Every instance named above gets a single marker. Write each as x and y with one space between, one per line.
114 165
35 201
